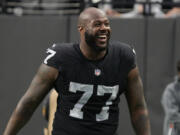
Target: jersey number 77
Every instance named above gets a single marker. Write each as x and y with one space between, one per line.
77 112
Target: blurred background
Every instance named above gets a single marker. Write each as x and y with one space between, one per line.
28 27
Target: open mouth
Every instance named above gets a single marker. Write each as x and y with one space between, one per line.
102 38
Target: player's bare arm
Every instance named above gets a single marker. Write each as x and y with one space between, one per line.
137 104
39 87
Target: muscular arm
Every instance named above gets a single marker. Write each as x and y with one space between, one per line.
136 104
39 87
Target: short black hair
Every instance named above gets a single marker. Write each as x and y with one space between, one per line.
178 65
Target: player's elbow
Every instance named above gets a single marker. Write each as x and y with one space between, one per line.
139 115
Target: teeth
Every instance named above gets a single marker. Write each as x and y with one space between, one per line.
102 36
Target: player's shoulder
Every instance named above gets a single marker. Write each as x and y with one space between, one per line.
170 86
62 46
121 47
169 89
58 53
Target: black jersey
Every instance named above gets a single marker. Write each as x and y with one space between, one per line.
89 90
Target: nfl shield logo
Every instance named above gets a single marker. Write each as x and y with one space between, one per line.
97 72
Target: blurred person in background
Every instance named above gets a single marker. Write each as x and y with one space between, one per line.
155 10
141 8
110 6
171 104
49 109
174 11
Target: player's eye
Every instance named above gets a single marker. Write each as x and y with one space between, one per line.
106 24
97 24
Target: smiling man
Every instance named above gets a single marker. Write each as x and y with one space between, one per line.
94 30
89 78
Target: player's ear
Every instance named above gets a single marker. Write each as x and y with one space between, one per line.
80 28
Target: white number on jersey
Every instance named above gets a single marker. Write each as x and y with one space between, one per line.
88 91
51 54
104 115
76 112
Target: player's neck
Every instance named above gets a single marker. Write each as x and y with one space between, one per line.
90 53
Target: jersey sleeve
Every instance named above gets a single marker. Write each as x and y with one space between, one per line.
130 55
51 58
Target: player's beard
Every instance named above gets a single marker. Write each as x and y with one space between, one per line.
91 41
